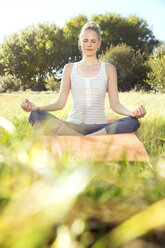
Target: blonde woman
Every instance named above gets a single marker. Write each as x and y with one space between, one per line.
88 80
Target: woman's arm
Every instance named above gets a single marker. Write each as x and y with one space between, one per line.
114 96
62 97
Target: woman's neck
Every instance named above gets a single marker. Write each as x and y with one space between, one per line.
89 60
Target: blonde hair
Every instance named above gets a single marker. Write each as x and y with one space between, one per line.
89 26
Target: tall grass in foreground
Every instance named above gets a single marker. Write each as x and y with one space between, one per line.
47 201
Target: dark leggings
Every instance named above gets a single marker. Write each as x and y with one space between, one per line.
123 125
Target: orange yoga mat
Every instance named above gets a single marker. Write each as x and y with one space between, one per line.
114 147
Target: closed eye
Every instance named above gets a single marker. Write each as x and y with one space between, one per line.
93 41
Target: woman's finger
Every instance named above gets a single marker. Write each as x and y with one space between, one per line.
143 110
137 112
140 111
23 105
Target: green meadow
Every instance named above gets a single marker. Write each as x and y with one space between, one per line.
54 202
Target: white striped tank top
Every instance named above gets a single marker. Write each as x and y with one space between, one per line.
88 96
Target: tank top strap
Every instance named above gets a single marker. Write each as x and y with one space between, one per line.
103 68
74 68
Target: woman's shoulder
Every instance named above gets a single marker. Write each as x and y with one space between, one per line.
68 68
109 67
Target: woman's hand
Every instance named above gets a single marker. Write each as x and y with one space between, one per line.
28 106
139 112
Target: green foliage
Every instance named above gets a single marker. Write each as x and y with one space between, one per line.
156 76
52 84
2 66
72 29
133 31
32 53
129 65
9 83
37 51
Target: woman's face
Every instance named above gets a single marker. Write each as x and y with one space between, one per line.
89 42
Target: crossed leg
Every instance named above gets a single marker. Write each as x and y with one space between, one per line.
55 125
60 127
123 125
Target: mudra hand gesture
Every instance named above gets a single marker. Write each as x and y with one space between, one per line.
139 112
28 106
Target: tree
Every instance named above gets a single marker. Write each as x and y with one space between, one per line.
156 62
133 31
33 53
72 29
130 66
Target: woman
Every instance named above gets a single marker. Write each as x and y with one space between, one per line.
88 80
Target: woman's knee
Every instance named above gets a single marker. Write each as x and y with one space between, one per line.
127 125
36 116
134 123
31 118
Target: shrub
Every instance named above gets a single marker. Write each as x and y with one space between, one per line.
156 76
9 83
130 66
52 84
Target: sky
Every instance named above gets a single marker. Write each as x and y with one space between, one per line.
18 14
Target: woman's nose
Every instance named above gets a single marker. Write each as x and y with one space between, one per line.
89 43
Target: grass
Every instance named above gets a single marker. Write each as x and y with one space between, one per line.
152 129
47 201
